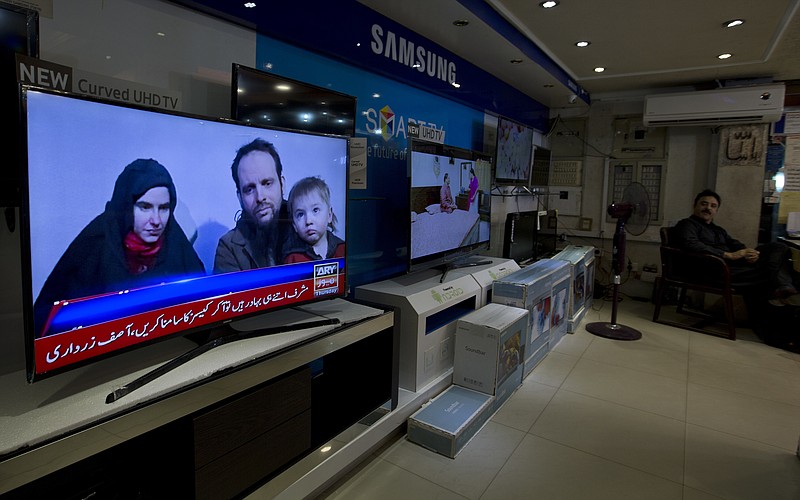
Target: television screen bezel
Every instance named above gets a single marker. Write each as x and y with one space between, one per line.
212 328
237 70
508 181
454 255
512 218
541 156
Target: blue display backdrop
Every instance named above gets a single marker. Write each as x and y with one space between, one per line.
378 216
348 31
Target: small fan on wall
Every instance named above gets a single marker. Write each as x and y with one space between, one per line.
633 216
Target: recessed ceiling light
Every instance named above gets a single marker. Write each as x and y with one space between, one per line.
599 69
732 23
250 5
516 61
724 56
460 22
583 43
549 4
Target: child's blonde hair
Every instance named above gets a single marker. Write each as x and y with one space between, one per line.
308 185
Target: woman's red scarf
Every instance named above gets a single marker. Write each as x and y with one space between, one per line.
140 255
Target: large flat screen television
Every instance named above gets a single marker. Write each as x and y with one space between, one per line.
450 203
19 34
264 98
140 224
514 153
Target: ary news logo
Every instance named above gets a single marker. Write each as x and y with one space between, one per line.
326 279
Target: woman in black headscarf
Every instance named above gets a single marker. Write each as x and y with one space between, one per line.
134 242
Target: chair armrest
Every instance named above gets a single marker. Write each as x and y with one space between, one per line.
694 267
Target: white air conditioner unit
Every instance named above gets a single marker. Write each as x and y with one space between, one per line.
726 106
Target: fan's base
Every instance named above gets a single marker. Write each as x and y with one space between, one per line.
614 331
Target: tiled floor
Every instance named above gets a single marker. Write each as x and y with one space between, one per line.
674 415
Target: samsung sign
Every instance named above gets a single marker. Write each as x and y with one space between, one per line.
405 52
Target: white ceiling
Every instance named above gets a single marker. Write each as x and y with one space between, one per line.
645 45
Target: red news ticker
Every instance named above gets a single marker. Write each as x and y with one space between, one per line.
63 349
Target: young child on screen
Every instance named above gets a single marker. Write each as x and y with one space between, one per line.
314 223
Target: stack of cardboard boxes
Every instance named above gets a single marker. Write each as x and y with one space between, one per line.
487 369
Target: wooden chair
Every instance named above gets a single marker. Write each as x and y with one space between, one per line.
680 269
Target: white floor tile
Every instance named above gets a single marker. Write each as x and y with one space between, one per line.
522 409
764 383
542 469
638 439
675 415
471 471
644 355
769 422
736 468
381 479
645 391
748 353
553 369
574 344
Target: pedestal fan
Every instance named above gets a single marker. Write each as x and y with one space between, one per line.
633 216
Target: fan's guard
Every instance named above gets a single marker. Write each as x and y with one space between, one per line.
634 209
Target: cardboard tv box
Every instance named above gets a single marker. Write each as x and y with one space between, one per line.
450 420
581 261
490 350
531 288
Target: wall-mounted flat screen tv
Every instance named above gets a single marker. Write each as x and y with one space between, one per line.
450 203
140 224
514 153
264 98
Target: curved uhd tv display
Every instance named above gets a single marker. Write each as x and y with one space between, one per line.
141 224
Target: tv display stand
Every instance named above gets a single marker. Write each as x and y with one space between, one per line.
221 424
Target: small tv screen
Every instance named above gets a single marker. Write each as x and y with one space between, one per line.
450 204
540 175
530 235
514 153
267 99
140 224
519 238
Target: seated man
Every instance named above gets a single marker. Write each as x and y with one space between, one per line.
768 263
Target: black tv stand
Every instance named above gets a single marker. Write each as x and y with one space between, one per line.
461 263
207 341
